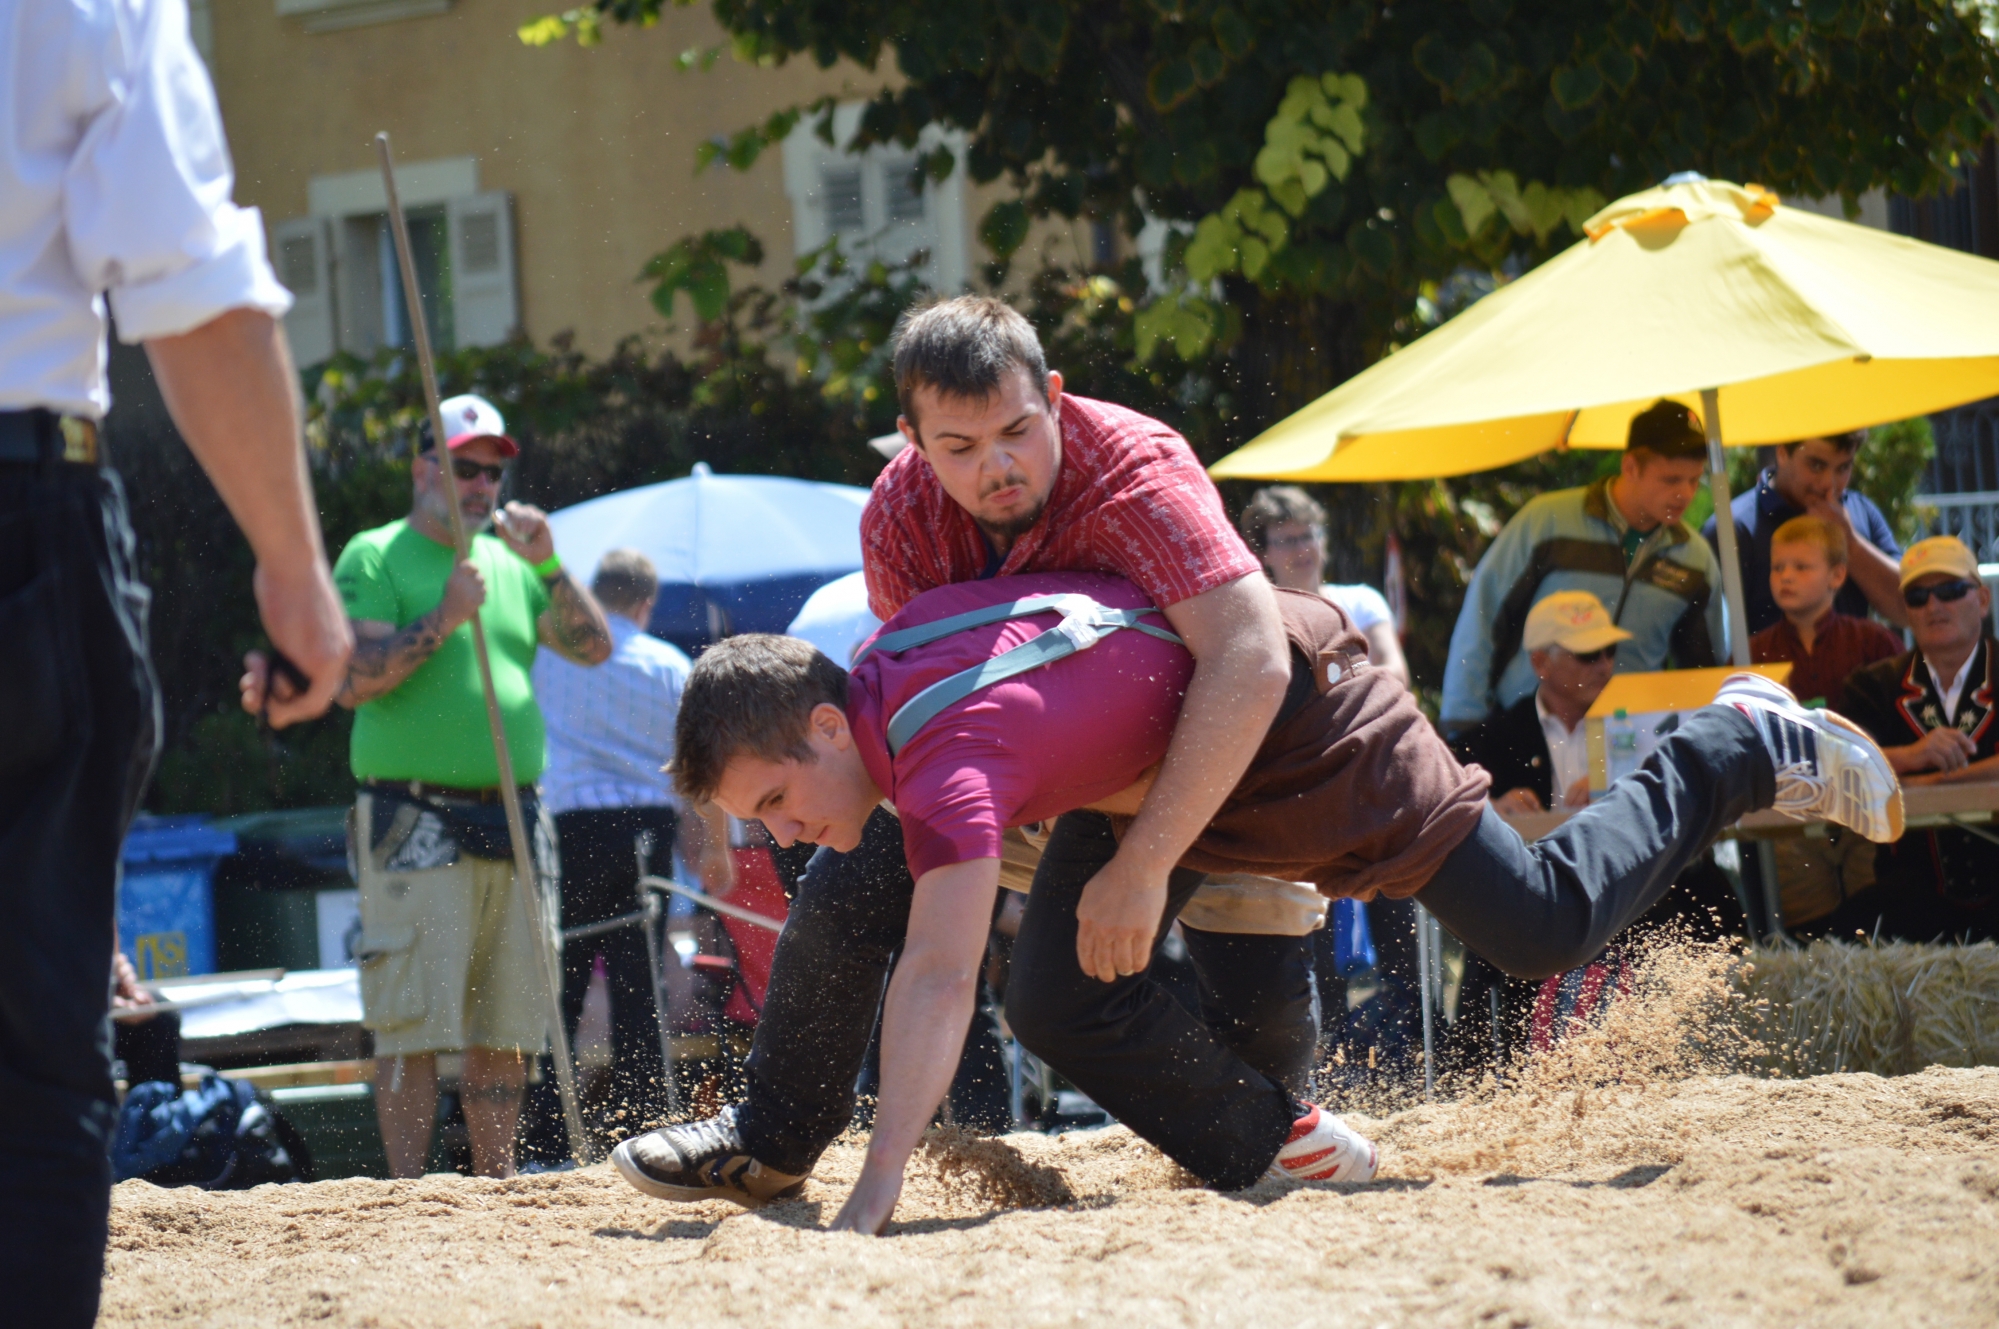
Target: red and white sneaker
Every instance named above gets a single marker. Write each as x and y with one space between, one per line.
1828 768
1324 1148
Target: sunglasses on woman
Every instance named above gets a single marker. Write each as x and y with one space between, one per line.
1950 592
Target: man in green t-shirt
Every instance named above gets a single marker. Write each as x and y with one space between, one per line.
446 947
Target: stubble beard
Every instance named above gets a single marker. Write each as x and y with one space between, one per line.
1003 534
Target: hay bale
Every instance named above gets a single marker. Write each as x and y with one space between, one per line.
1892 1008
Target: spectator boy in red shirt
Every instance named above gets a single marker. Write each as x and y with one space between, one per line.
974 711
1807 569
1006 474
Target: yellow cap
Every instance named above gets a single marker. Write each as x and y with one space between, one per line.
1945 554
1576 621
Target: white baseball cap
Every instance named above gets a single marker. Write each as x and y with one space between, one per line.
1576 621
467 417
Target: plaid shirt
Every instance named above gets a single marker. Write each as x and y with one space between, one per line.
1130 499
610 728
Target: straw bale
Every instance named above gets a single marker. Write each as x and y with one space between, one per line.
1890 1008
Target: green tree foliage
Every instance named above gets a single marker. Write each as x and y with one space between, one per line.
1381 146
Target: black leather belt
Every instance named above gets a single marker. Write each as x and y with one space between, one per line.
424 792
39 436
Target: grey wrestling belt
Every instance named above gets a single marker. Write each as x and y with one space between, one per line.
1236 902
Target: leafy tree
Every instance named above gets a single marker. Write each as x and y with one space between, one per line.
1334 158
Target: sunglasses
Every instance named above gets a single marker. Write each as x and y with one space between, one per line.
1600 653
1947 591
468 471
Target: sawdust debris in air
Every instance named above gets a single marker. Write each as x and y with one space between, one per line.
992 1171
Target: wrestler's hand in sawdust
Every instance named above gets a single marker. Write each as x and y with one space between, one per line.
872 1201
1117 919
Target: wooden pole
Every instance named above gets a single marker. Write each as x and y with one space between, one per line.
527 879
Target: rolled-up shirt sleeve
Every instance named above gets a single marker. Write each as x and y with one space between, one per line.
146 199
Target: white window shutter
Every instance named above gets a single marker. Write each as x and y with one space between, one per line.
303 256
485 299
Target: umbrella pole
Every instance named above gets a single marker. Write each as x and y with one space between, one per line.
527 878
1724 526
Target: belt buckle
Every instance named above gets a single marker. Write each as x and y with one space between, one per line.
79 440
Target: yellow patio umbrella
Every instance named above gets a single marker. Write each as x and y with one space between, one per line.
1780 322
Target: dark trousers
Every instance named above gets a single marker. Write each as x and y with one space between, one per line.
848 921
79 725
600 874
1538 909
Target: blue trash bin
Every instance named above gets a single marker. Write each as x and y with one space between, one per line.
166 904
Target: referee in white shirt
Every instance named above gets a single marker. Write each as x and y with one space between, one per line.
610 736
114 181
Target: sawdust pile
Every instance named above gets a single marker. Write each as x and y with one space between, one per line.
1634 1177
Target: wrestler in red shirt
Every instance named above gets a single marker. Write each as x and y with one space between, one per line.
1006 474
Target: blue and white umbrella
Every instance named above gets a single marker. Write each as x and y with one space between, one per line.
735 553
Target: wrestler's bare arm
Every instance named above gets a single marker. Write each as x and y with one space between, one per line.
1241 668
924 1020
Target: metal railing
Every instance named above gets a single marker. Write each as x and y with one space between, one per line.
1972 518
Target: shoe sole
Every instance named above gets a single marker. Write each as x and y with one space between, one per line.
1856 800
1859 798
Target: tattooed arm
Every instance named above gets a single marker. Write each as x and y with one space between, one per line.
385 655
573 625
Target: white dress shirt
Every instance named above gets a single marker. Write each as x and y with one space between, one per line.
610 727
114 177
1948 693
1568 752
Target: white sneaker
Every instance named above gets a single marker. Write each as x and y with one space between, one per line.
1828 769
1324 1148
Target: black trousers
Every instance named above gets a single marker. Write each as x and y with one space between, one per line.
79 726
600 874
1532 910
848 920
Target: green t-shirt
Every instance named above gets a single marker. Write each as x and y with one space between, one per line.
433 727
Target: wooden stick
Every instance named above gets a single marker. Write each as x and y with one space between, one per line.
525 875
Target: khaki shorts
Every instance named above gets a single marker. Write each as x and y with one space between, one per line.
447 953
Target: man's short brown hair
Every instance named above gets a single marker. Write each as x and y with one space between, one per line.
1667 429
1845 444
964 347
749 696
1813 531
625 579
1277 505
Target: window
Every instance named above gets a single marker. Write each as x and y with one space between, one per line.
340 263
874 203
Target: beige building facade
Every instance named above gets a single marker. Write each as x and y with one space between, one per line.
538 181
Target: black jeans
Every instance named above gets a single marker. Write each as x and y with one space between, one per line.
600 873
1539 909
79 726
848 920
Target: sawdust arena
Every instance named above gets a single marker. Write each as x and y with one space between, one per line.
1647 1174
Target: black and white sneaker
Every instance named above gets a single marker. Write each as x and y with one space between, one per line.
701 1160
1828 769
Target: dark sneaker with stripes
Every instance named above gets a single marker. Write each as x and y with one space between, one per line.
701 1160
1828 769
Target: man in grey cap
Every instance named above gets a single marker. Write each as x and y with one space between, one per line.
114 187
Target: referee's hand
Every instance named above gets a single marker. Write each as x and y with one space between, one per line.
306 621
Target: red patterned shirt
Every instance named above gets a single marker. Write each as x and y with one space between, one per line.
1130 499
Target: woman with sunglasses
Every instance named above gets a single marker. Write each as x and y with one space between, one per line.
1932 711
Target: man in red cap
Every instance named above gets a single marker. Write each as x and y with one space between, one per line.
446 950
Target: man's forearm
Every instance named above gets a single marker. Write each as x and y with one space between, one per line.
381 664
231 389
1984 769
1879 578
576 627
